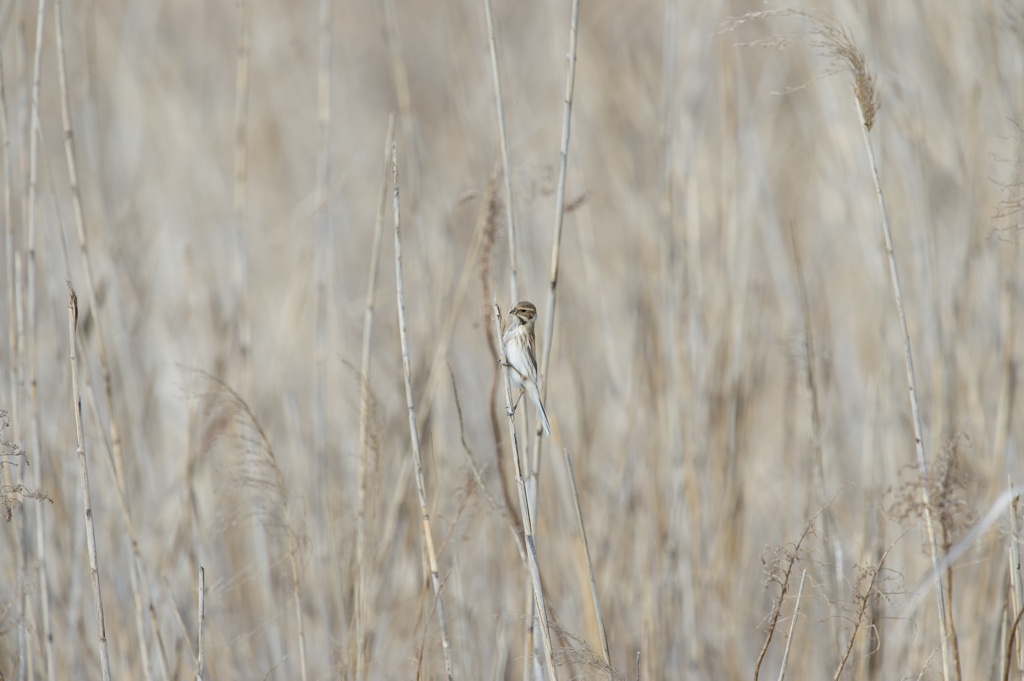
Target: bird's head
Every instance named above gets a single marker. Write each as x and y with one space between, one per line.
524 312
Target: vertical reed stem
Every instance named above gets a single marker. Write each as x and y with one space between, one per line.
323 239
506 164
590 564
35 447
912 389
563 162
524 506
792 626
364 407
90 530
115 434
14 359
240 202
202 624
428 539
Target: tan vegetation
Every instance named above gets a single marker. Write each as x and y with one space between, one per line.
781 373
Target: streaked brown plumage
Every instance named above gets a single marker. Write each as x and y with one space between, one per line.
521 355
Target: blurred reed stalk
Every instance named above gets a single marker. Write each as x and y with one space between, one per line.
402 94
428 539
834 575
202 624
488 218
478 476
14 361
241 274
1007 303
323 244
90 530
26 659
448 328
364 407
137 566
563 162
792 625
240 199
773 618
866 97
834 41
180 619
12 338
506 164
524 506
1009 645
590 565
556 241
862 602
261 445
1016 585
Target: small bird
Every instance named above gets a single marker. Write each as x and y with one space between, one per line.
521 355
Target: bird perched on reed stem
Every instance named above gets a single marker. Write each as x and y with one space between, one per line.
521 354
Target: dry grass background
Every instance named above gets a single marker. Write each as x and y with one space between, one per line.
677 376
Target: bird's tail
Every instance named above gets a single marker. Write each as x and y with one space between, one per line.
531 388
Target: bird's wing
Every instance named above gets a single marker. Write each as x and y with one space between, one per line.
531 349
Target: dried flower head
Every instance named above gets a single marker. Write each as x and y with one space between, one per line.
832 40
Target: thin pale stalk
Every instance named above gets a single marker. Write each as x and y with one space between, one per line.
792 625
323 238
435 577
448 330
403 94
556 241
202 624
14 357
506 164
480 478
76 199
32 329
240 200
19 538
590 564
563 162
323 248
90 530
865 601
1006 321
524 507
115 437
12 340
181 624
293 551
13 284
364 405
912 389
529 661
140 616
833 576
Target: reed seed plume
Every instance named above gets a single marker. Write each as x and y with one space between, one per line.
259 476
830 39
